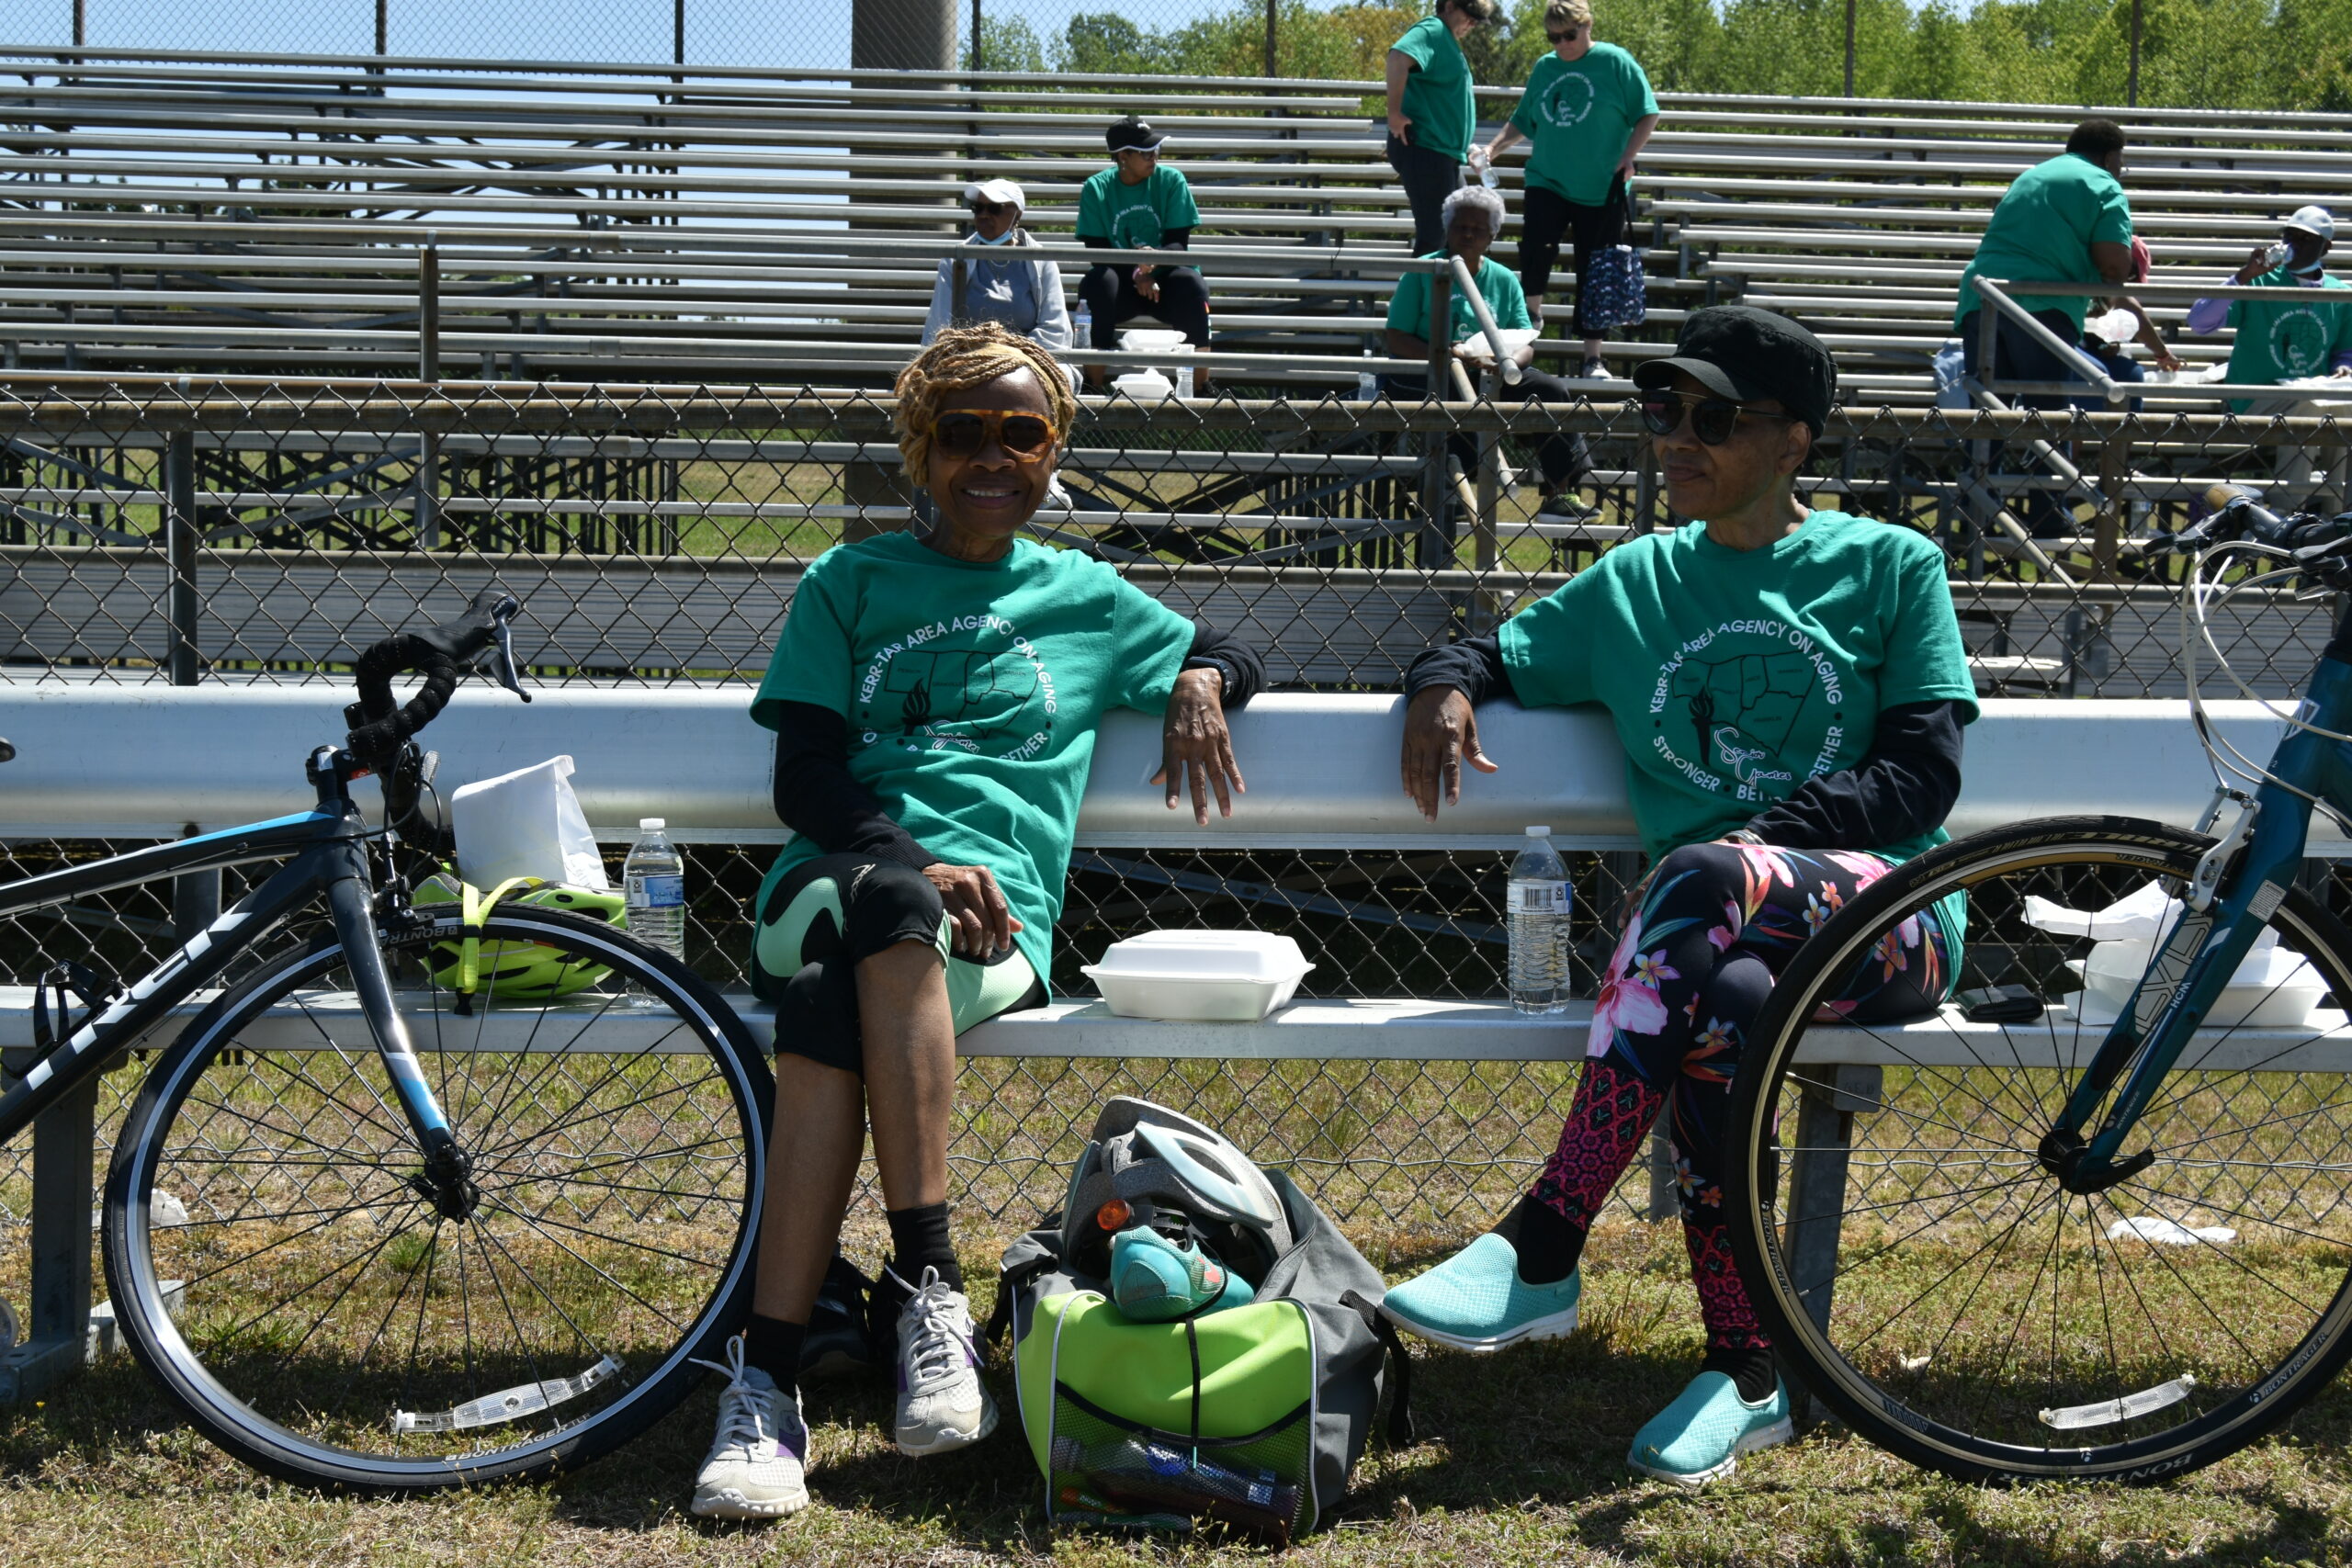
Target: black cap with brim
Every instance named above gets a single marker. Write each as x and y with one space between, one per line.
1744 353
1132 135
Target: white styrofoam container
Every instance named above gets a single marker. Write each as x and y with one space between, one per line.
1200 976
2273 989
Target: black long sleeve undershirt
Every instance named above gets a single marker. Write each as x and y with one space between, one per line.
816 796
1904 786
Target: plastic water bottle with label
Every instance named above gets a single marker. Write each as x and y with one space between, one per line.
654 880
1538 911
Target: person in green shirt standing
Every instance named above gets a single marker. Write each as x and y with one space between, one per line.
1474 221
1140 204
1588 112
936 697
1789 686
2286 340
1433 114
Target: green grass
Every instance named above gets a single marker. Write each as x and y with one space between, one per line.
1520 1461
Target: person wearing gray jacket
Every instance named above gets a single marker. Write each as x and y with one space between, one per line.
1025 293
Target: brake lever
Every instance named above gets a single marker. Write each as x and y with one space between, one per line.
502 640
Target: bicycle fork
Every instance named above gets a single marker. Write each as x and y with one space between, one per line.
2196 958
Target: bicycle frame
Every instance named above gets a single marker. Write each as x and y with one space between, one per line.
327 847
2203 950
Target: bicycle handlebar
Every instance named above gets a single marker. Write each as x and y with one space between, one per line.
379 729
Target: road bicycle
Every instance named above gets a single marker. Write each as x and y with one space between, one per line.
2092 1218
412 1203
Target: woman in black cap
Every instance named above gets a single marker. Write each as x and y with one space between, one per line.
1789 687
1140 204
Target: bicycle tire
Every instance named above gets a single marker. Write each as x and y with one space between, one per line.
2049 1340
324 1299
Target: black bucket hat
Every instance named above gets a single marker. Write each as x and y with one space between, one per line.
1132 135
1741 353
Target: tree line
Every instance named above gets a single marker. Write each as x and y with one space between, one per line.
2250 54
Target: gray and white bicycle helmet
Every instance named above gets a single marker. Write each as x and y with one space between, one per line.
1160 1164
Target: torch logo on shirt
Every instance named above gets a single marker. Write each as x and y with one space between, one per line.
988 694
1730 702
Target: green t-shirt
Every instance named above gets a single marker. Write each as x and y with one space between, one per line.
2286 340
972 691
1132 217
1576 117
1409 308
1733 676
1437 91
2042 232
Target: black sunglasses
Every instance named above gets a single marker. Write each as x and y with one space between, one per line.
991 208
1713 419
1562 37
964 432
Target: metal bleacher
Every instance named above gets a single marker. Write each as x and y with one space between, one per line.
260 213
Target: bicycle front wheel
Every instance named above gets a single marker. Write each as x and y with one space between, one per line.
277 1265
1943 1292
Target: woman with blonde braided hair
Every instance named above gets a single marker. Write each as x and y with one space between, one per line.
934 698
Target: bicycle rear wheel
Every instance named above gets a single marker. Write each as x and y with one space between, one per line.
1939 1290
273 1267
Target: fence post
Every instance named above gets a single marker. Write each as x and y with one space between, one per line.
82 23
428 489
383 25
1271 10
976 34
1849 52
1437 535
678 33
179 547
2132 81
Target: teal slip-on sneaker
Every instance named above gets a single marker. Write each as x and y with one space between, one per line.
1701 1435
1475 1300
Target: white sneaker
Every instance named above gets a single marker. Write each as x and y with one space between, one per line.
942 1402
754 1469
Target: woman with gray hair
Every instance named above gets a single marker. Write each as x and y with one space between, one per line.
1474 221
997 282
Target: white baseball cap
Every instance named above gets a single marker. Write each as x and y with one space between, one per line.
1001 191
2312 221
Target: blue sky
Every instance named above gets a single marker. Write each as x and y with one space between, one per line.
795 33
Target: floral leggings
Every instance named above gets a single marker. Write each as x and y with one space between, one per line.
1688 979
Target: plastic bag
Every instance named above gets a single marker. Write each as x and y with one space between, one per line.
526 823
1616 294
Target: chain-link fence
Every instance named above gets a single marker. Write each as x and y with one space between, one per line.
262 534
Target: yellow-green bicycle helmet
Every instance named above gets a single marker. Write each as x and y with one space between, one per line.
517 971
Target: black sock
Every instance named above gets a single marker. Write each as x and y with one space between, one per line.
1752 1370
1548 1247
919 1241
774 1345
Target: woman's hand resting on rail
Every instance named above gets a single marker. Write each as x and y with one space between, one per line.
1195 743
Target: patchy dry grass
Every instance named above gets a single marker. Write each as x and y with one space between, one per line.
1521 1462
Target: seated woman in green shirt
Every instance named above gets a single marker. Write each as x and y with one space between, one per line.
1789 686
935 696
1474 219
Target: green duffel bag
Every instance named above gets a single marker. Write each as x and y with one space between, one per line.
1253 1416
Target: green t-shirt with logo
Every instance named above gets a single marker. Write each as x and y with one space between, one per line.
1134 217
2286 340
972 691
1409 308
1437 92
1733 676
1577 115
2042 232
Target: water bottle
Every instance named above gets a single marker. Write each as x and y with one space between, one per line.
1367 384
654 878
1538 911
1082 326
2276 257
